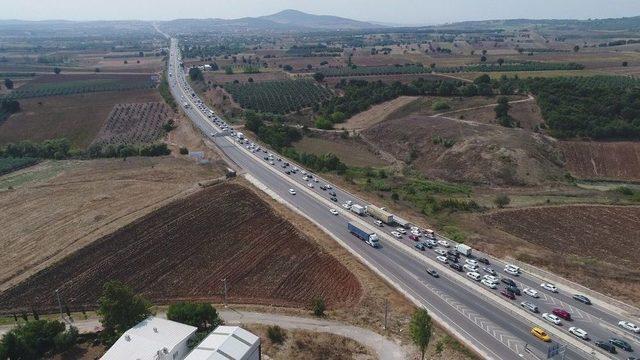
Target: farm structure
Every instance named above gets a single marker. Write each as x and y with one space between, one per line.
184 251
131 124
278 97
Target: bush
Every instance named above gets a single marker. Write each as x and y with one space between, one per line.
318 306
276 334
35 339
184 150
120 309
440 105
502 200
323 123
201 315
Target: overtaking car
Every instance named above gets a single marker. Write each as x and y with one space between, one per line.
333 211
292 192
433 273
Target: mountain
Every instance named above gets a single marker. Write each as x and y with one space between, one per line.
300 19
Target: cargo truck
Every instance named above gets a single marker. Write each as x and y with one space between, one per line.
463 249
380 214
240 135
358 209
369 238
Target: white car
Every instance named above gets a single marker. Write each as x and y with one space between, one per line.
474 275
550 287
416 233
552 318
379 223
629 326
441 259
396 234
440 251
488 283
346 206
531 292
444 243
471 262
333 211
272 163
315 180
310 185
511 271
328 186
579 333
492 279
304 172
305 178
292 192
470 268
401 230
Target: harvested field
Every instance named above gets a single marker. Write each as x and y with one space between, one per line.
221 78
132 124
185 249
602 160
466 151
58 207
351 151
78 117
377 113
595 242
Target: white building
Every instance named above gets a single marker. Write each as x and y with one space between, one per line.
227 343
152 339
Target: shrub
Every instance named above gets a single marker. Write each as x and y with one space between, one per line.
502 200
276 334
318 306
440 105
184 150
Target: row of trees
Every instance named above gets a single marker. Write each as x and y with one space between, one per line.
61 149
270 129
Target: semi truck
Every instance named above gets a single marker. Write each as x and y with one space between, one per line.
380 214
358 209
240 135
369 238
463 249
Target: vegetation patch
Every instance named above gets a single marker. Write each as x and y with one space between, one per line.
11 164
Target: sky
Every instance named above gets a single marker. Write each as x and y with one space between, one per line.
406 12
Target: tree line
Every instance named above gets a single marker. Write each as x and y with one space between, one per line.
61 149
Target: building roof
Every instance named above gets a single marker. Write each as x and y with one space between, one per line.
225 343
149 337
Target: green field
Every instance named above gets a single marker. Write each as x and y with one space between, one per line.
8 165
79 86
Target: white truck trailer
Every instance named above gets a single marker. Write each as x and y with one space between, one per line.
358 209
380 214
463 249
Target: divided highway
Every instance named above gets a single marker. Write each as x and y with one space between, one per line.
476 314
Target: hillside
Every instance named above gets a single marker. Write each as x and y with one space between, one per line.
301 19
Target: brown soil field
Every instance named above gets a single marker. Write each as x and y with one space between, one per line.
587 243
57 208
137 123
602 160
78 118
302 344
480 153
526 114
185 249
376 113
220 99
222 78
147 64
351 151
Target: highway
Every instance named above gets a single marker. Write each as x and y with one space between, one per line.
494 326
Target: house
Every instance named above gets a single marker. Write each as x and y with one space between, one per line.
152 339
227 343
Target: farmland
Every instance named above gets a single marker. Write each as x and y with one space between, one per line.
595 242
8 165
134 124
602 160
278 97
52 85
185 249
57 207
219 78
78 118
373 70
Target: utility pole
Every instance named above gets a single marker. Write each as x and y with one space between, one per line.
386 312
59 304
225 291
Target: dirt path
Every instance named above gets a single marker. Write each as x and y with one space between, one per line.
383 347
530 98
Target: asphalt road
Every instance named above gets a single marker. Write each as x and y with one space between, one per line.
476 313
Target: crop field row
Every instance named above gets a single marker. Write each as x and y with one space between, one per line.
69 85
134 124
185 249
8 165
373 70
278 97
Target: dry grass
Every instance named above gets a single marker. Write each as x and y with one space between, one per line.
526 114
56 210
78 118
351 151
376 113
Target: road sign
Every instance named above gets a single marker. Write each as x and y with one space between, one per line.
553 350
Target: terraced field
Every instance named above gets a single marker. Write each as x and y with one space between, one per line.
184 250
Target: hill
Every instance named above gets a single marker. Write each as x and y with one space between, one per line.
301 19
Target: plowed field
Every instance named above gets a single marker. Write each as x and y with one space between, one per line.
184 250
601 232
602 160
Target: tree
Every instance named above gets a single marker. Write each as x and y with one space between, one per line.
501 200
500 61
276 334
56 70
309 66
576 48
195 74
97 70
420 330
318 77
120 309
483 58
35 339
502 112
141 54
484 51
323 123
287 68
228 70
201 315
625 64
250 80
318 306
482 79
8 83
10 106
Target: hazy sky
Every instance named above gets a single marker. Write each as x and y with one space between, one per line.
395 11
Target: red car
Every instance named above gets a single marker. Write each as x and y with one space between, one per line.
508 294
562 314
414 238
